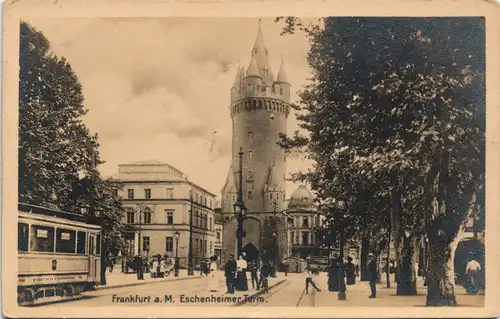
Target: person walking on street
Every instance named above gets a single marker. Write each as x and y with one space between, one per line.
254 268
472 270
230 273
350 271
333 274
308 274
264 274
241 275
372 275
213 278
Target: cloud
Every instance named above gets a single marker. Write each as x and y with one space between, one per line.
159 88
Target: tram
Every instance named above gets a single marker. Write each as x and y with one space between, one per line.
58 255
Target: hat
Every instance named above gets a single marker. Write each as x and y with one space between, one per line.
244 254
370 255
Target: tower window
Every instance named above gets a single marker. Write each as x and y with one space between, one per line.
250 153
250 195
250 174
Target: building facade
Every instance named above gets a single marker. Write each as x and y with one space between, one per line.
259 110
158 200
304 227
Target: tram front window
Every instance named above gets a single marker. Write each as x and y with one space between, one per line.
22 237
65 241
80 243
42 238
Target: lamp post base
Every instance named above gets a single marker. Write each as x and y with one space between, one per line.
341 296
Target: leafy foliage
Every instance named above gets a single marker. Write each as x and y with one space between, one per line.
394 121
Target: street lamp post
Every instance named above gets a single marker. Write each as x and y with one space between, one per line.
342 206
176 265
190 254
239 208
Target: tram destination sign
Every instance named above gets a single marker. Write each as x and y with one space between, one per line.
50 279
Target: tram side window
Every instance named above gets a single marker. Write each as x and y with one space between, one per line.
80 242
22 237
98 245
42 238
65 241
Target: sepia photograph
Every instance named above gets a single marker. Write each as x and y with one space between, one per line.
275 161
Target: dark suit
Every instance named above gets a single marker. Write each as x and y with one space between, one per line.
230 273
372 277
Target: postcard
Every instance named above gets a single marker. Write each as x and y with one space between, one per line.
230 159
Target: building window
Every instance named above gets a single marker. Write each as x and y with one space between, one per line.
271 196
205 244
250 155
170 193
205 203
250 174
211 204
170 216
305 238
147 193
197 197
115 192
205 219
197 224
196 249
292 237
210 252
218 237
130 193
169 244
130 217
147 216
305 221
145 243
211 225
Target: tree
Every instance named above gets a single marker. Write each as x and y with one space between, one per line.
52 137
403 101
55 146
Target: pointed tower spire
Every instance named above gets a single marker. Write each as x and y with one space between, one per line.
253 70
237 79
282 77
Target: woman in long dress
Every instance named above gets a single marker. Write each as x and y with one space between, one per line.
213 275
241 275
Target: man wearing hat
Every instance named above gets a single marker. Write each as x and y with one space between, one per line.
230 273
372 275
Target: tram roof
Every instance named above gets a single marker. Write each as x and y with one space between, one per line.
24 207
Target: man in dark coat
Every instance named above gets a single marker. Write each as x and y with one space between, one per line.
254 268
372 275
350 271
230 273
333 274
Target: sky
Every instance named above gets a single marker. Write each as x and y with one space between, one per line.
160 88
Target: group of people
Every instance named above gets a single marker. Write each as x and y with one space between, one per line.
236 274
338 269
159 267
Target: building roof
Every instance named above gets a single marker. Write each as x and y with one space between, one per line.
301 197
282 77
261 55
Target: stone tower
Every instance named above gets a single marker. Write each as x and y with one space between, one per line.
259 109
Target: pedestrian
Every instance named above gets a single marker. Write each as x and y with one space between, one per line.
333 274
264 275
350 271
110 264
230 273
472 270
308 274
213 275
254 267
241 275
372 275
154 272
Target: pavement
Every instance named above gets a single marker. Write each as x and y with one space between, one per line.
285 291
117 279
292 294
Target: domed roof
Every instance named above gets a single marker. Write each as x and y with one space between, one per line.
302 196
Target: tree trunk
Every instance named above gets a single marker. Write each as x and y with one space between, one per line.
440 289
407 284
365 247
